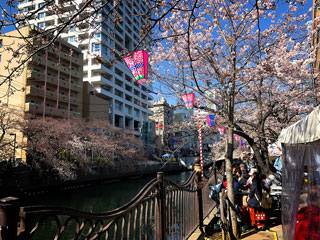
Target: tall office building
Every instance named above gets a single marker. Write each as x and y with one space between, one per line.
98 36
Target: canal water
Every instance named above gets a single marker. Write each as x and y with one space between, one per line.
99 198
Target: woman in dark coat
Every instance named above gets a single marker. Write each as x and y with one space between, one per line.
255 197
255 194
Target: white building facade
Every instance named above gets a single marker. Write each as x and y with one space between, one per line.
99 38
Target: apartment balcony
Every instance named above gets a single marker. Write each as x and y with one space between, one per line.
67 5
24 4
48 19
73 100
50 111
100 80
40 77
38 92
75 60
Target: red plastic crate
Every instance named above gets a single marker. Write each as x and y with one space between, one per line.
258 217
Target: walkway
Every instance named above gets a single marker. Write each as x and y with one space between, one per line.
275 232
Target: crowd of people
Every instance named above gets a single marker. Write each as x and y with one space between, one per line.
252 189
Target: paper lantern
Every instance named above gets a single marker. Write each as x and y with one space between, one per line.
188 100
137 62
221 130
210 119
237 137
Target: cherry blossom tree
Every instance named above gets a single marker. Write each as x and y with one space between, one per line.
65 147
10 124
250 59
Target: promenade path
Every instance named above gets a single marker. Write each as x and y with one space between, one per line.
274 233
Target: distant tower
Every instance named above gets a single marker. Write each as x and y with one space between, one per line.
162 115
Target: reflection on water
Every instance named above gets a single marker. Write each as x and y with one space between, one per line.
99 198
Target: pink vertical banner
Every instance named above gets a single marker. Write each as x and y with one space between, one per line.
210 120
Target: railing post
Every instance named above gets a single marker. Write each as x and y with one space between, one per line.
161 233
197 169
9 212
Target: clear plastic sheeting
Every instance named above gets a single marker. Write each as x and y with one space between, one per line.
301 191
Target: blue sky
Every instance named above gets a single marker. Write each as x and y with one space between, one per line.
156 86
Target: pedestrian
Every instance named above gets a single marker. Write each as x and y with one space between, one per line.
255 194
257 215
241 179
278 163
244 170
272 180
251 162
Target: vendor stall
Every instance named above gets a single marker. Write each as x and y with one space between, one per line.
301 178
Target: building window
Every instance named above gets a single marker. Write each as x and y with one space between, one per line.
41 25
1 43
118 105
97 35
106 50
40 5
72 39
98 4
41 15
96 47
72 29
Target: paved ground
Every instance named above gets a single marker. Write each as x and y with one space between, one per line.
274 233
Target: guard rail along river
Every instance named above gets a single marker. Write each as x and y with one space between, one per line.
162 209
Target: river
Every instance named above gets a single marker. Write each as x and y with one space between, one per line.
99 198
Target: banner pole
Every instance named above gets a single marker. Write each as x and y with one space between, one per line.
200 139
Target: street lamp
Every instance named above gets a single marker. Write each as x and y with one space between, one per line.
14 146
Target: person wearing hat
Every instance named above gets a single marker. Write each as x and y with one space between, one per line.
255 194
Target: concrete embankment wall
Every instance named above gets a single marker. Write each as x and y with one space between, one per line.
21 180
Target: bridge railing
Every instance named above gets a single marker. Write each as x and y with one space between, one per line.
163 209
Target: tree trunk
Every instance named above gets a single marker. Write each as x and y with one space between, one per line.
229 148
262 162
229 159
222 216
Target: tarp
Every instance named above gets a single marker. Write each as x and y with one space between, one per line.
304 131
301 178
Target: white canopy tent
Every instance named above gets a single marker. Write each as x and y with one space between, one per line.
301 178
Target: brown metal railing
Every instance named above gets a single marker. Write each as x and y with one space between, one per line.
163 209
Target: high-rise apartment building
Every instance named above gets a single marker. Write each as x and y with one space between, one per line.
49 83
100 37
